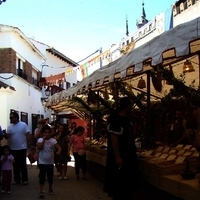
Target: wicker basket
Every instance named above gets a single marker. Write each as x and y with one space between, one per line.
151 164
168 168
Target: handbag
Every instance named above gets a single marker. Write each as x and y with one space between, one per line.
81 152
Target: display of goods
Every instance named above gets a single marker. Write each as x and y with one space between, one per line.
102 152
188 174
151 164
143 162
169 167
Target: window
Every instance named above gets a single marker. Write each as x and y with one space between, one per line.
185 5
61 85
140 34
20 62
34 77
132 39
20 65
145 31
24 117
68 85
34 119
181 7
150 27
189 3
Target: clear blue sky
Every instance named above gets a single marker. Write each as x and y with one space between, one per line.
77 28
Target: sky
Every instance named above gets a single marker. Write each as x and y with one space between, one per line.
77 28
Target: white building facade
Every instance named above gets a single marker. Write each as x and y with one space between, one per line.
22 64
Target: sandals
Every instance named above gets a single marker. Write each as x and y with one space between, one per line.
78 178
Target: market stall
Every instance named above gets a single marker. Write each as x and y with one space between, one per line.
171 47
97 92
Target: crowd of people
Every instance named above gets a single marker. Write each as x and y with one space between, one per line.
51 144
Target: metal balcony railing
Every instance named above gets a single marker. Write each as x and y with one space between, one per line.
21 73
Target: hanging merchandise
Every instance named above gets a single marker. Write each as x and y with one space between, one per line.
171 70
156 80
141 83
105 94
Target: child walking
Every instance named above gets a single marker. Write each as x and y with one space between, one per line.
6 160
62 159
46 146
77 142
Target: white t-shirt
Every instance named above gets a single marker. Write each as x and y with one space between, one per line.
18 133
46 155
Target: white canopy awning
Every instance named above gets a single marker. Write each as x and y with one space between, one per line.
172 46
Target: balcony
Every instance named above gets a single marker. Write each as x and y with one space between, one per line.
21 73
35 82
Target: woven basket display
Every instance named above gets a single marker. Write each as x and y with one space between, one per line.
143 162
169 167
151 164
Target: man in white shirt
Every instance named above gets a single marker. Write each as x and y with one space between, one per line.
19 135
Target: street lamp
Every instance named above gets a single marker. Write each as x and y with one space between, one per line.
1 1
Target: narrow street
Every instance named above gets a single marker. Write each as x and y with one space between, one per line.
63 189
75 190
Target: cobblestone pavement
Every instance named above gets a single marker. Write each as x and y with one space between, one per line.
63 189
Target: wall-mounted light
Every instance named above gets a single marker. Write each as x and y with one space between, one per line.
188 67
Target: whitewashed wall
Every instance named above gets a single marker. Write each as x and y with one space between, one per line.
5 95
27 97
14 41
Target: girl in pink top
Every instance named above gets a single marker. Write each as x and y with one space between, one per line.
77 142
6 160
